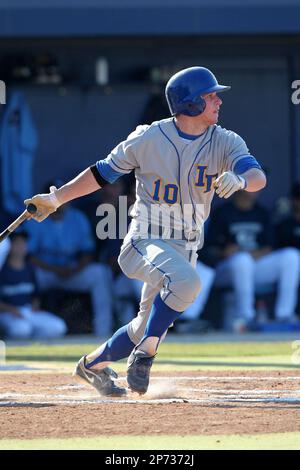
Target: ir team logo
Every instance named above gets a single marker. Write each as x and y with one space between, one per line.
2 92
2 353
296 94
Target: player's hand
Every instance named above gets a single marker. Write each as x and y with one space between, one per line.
228 183
46 204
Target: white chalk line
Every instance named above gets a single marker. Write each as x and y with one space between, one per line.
246 399
226 379
237 392
91 397
191 379
214 396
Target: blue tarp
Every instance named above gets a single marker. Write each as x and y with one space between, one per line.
18 143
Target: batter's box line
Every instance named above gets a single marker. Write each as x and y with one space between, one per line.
242 396
237 392
203 401
221 379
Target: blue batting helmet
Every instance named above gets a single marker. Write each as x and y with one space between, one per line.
184 90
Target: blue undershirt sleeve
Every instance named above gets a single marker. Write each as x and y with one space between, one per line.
107 172
246 163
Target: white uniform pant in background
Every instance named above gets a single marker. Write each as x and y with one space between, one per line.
246 276
32 325
95 279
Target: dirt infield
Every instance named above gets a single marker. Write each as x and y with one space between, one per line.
53 405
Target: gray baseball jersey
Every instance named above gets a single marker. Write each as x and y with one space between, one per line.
175 175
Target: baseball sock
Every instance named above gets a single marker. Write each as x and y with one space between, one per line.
119 346
161 318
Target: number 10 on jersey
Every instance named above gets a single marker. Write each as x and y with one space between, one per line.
168 192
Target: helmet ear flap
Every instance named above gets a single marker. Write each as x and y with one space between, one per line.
194 108
203 104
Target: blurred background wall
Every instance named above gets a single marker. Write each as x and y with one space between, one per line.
88 69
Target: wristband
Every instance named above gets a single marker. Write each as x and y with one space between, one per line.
54 200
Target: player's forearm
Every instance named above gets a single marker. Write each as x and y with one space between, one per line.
45 204
255 179
85 183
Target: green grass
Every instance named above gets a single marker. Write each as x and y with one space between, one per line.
181 356
166 350
288 441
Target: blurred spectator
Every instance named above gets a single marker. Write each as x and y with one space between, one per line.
240 237
287 232
5 221
156 107
62 249
20 316
4 249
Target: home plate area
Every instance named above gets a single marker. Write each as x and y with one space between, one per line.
170 389
176 403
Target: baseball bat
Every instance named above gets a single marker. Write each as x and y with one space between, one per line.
31 209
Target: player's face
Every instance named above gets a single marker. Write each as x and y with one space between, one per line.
19 247
211 112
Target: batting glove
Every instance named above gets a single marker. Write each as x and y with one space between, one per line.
46 204
228 183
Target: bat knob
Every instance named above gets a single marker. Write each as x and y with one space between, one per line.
31 208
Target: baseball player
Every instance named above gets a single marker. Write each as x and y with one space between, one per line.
179 163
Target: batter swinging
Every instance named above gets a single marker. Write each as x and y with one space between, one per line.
178 162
